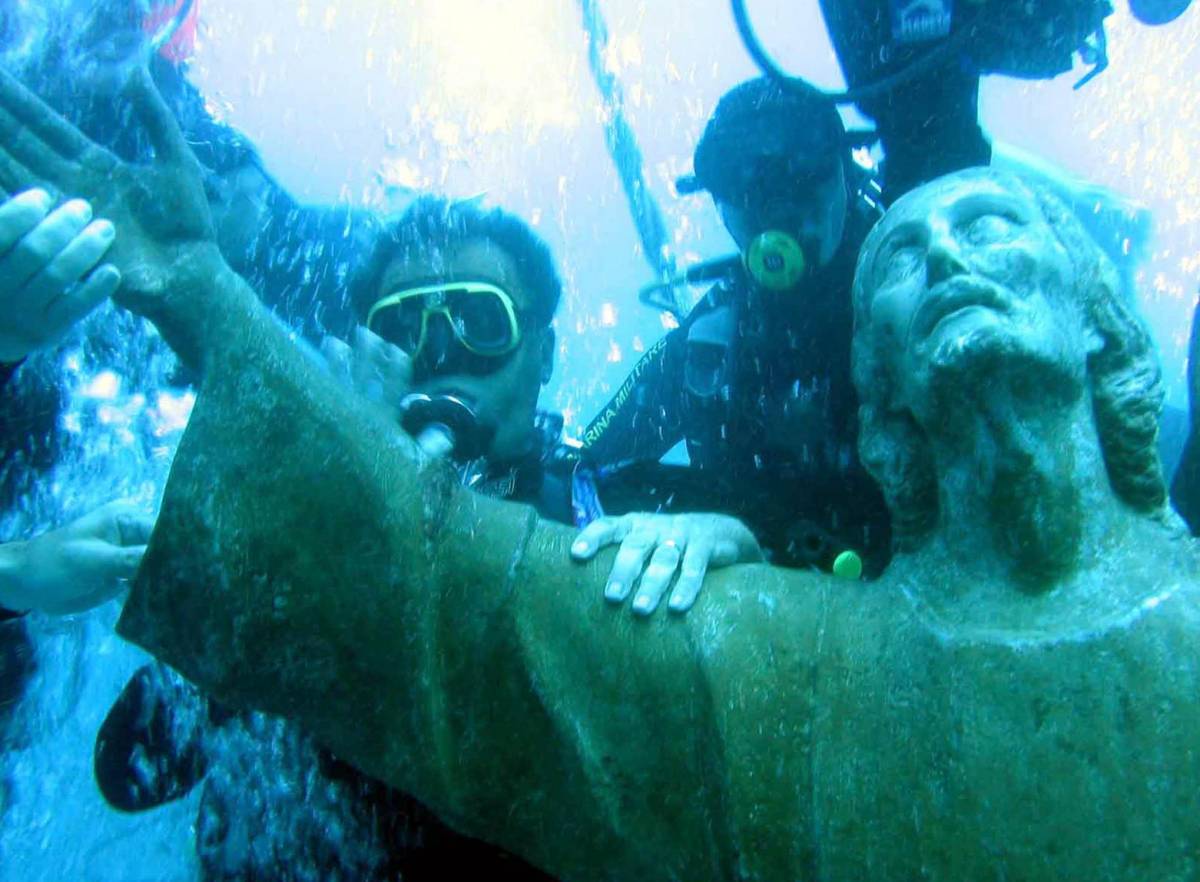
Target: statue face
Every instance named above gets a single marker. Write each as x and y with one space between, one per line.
965 273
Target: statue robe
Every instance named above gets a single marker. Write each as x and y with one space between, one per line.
789 727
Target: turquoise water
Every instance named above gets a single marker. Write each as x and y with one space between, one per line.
368 102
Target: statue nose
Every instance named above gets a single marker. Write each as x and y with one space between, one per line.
943 260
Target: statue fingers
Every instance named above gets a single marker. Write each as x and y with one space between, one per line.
14 176
657 577
691 576
160 124
23 145
41 120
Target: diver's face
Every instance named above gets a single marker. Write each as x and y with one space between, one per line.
807 204
506 397
965 273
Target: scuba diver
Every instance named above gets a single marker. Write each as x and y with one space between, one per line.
913 66
756 379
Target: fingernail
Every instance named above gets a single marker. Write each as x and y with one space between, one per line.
579 547
612 591
80 208
104 229
40 198
641 604
676 604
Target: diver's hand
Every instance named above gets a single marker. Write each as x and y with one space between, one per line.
78 566
166 250
654 546
378 370
49 278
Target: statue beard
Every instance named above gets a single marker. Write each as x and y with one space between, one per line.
967 368
998 391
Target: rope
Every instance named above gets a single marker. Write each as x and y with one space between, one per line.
625 152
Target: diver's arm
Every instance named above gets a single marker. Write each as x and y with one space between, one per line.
75 567
642 421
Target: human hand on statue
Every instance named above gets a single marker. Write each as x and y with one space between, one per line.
76 567
655 546
50 270
160 209
378 370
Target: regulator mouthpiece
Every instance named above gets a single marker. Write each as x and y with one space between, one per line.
775 261
445 424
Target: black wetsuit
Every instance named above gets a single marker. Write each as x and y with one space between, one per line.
758 385
928 122
151 749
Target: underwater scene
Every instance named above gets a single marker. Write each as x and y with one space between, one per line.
599 440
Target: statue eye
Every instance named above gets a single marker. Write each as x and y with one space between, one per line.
901 262
989 228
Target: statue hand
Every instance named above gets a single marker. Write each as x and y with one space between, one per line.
654 546
49 277
78 566
160 209
378 370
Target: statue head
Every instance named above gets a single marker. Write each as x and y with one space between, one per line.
977 285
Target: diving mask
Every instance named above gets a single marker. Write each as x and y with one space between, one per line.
481 315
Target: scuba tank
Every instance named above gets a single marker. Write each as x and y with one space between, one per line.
882 44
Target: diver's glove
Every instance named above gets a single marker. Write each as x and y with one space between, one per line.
655 546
